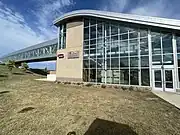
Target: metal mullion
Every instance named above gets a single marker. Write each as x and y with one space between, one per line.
174 44
129 58
89 55
162 62
119 44
150 57
58 38
139 61
110 45
105 51
96 51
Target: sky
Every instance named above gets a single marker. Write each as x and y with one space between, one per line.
27 22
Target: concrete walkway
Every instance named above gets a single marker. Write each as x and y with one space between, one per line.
45 79
172 98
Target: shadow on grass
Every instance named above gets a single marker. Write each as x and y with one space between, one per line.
26 109
38 71
16 73
3 75
104 127
4 92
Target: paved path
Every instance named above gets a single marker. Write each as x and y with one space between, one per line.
172 98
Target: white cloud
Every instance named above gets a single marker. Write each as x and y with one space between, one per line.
160 8
16 33
47 11
154 8
114 5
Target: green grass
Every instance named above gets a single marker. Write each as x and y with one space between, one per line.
29 107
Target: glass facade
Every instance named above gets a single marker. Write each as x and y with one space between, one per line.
118 53
62 36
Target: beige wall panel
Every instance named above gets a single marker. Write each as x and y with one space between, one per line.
71 69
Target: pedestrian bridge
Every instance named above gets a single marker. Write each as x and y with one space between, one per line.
40 52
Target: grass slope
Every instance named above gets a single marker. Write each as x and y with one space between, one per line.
29 107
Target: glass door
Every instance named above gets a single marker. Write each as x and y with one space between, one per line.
163 79
157 79
169 80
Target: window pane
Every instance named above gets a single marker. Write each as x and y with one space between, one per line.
145 77
114 30
124 76
178 43
168 59
99 76
86 63
86 33
86 22
134 79
156 45
157 59
133 49
92 75
99 31
124 62
92 63
100 63
143 33
144 46
114 38
124 37
144 61
167 43
92 21
123 50
86 75
178 58
114 62
93 31
123 29
133 35
115 76
107 28
93 41
134 61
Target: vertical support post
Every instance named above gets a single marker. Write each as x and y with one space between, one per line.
129 58
176 77
139 59
150 58
105 55
119 44
58 38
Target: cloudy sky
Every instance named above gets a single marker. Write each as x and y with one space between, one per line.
27 22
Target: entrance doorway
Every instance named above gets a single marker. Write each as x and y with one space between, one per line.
163 79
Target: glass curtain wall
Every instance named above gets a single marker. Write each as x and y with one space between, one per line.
117 51
62 36
178 57
162 48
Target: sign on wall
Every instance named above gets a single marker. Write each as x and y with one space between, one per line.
61 56
73 55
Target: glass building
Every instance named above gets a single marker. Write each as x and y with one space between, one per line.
121 49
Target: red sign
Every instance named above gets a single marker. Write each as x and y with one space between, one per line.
61 55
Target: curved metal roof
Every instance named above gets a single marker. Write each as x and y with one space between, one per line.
138 19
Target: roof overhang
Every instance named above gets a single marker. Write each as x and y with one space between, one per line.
137 19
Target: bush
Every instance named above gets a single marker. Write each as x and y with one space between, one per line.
88 84
24 66
103 86
116 87
123 88
131 88
67 82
